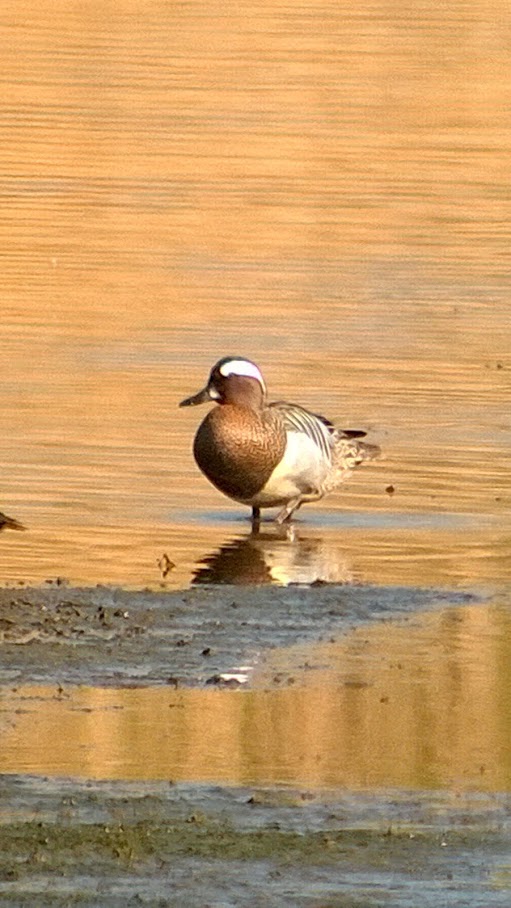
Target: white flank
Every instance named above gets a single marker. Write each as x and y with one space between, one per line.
302 468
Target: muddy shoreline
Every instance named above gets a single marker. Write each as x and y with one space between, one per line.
110 636
104 844
67 842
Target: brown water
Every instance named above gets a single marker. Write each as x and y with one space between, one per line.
423 704
322 188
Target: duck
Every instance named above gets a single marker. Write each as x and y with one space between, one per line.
267 455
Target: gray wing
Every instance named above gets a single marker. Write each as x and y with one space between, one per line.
297 419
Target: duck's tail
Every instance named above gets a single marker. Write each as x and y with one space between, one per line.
367 451
348 454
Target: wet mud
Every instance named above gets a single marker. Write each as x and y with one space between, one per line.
65 842
164 845
106 635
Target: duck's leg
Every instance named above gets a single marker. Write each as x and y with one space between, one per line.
256 521
287 512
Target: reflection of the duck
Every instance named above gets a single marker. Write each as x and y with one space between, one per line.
277 556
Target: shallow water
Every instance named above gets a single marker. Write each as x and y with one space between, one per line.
321 189
324 189
420 704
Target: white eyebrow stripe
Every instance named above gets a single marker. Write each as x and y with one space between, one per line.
242 367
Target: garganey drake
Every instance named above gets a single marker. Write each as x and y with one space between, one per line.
269 455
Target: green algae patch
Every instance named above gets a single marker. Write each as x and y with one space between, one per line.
65 843
30 847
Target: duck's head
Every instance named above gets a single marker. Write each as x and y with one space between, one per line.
232 380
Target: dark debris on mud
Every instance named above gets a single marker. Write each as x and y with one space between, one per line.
111 636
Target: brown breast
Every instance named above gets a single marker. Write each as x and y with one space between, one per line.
238 448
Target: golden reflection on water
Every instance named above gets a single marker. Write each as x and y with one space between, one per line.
424 703
408 555
322 188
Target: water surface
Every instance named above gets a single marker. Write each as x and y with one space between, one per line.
324 189
421 704
320 188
